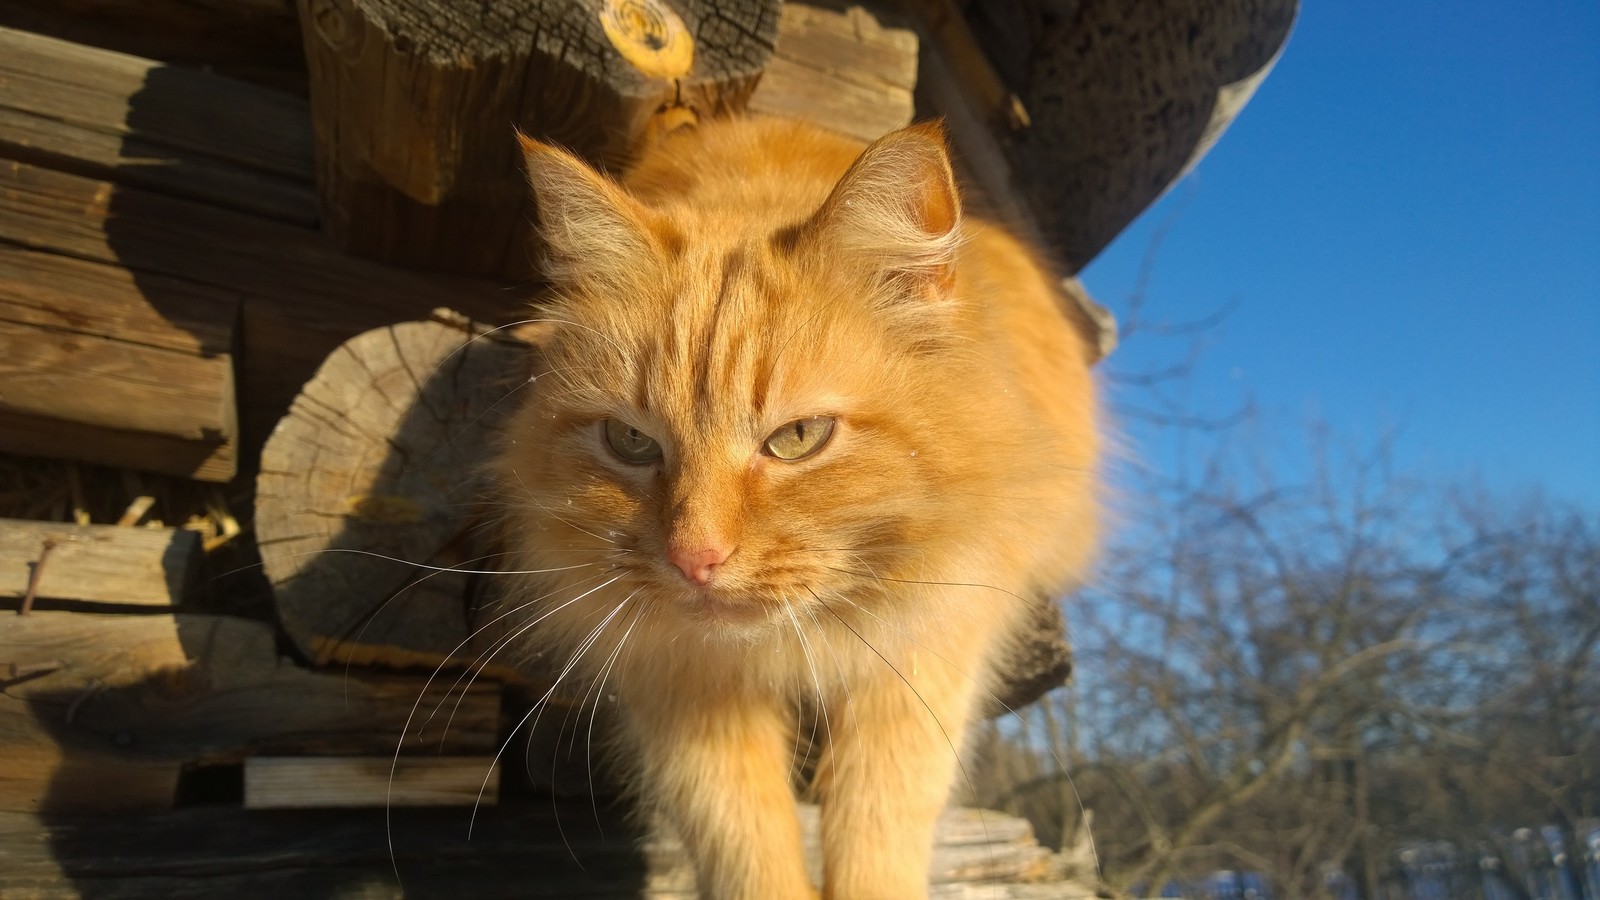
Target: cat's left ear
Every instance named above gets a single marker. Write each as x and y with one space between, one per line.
898 206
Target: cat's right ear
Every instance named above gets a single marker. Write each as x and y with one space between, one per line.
591 227
898 206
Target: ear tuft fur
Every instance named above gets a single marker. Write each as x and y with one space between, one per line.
589 224
898 205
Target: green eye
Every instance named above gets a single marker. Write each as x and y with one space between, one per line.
630 444
800 438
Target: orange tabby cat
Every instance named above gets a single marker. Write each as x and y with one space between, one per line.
802 437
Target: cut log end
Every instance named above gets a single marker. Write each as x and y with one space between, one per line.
368 499
413 105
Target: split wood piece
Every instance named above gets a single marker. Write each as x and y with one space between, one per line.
91 370
179 131
104 712
947 29
300 297
413 103
97 563
849 70
982 161
370 487
326 782
532 849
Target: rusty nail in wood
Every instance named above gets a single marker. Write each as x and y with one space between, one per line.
33 577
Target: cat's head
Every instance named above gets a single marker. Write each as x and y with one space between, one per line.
741 414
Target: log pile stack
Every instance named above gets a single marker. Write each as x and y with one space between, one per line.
168 287
184 243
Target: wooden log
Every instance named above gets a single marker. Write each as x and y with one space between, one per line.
254 40
91 371
969 846
1121 98
183 132
300 298
105 712
328 782
531 849
413 104
368 487
97 563
1129 97
850 70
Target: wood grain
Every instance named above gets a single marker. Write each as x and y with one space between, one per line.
536 848
98 563
413 105
368 487
104 712
299 298
845 69
329 782
82 352
256 40
183 132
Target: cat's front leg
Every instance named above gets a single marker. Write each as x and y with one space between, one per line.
718 767
886 777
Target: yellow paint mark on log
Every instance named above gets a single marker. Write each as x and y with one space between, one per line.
649 35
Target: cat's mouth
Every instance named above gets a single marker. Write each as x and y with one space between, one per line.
719 608
714 606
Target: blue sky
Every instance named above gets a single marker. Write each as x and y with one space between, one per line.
1407 216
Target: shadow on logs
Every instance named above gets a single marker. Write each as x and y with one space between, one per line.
414 102
369 505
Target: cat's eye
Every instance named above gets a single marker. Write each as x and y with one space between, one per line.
630 444
800 438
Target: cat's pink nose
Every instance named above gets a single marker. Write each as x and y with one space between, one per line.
697 565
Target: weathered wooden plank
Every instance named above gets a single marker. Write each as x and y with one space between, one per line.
300 297
29 435
183 109
533 849
83 352
536 848
123 386
47 290
845 69
257 40
326 782
104 712
280 265
98 563
146 401
136 160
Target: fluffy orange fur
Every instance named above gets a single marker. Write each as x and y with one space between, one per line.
745 275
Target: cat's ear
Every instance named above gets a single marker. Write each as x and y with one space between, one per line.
589 225
898 206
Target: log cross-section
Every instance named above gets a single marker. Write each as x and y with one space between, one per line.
366 500
414 101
